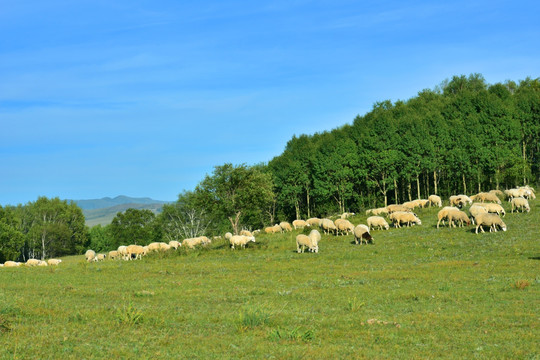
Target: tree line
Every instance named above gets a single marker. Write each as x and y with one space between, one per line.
464 136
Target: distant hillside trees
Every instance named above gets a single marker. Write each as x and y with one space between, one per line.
134 226
465 136
42 229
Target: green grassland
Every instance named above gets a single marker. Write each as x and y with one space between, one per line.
417 292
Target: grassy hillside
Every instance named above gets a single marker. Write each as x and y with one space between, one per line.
416 293
106 215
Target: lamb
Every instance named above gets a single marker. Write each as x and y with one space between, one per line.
241 240
459 216
377 222
135 250
192 242
494 208
314 222
520 203
477 209
344 226
361 234
400 217
435 200
32 262
491 220
443 214
285 226
486 197
90 255
310 241
299 224
113 254
174 244
328 225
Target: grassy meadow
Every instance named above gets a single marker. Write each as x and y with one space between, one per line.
417 292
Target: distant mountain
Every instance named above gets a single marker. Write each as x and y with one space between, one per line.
102 211
107 202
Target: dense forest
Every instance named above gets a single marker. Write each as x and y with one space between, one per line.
463 137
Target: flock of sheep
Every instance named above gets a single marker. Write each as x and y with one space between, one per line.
485 212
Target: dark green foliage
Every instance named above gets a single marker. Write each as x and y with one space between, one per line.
134 227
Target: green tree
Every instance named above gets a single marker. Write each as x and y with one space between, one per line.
134 226
239 194
11 238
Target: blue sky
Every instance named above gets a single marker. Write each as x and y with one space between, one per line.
143 98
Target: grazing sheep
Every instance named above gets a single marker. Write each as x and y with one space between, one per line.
443 214
174 244
100 257
411 205
494 208
486 197
361 234
54 261
435 200
346 215
42 263
490 220
328 226
299 224
497 193
192 242
520 203
135 252
475 210
344 226
154 246
423 202
245 233
90 255
113 254
529 192
285 226
378 211
268 230
405 217
122 250
314 222
164 246
377 222
393 208
310 241
459 216
10 263
228 235
32 262
241 240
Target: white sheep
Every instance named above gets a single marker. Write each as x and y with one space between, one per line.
90 255
328 226
246 233
42 263
285 226
122 251
314 222
346 215
404 217
494 208
475 210
241 240
443 214
310 241
174 244
299 224
344 226
490 220
54 261
32 262
135 252
10 263
192 242
459 216
520 203
113 254
361 234
486 197
228 235
100 257
394 208
435 200
377 222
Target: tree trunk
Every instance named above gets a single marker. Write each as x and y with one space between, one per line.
464 184
307 198
524 163
43 236
234 222
435 180
395 192
409 190
297 208
418 186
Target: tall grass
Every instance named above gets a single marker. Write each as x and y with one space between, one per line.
418 292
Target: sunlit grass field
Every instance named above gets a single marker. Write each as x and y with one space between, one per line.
417 292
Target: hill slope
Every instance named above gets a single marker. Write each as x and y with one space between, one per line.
102 211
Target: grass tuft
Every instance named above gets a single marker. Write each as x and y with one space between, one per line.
521 284
253 317
5 324
129 315
296 334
